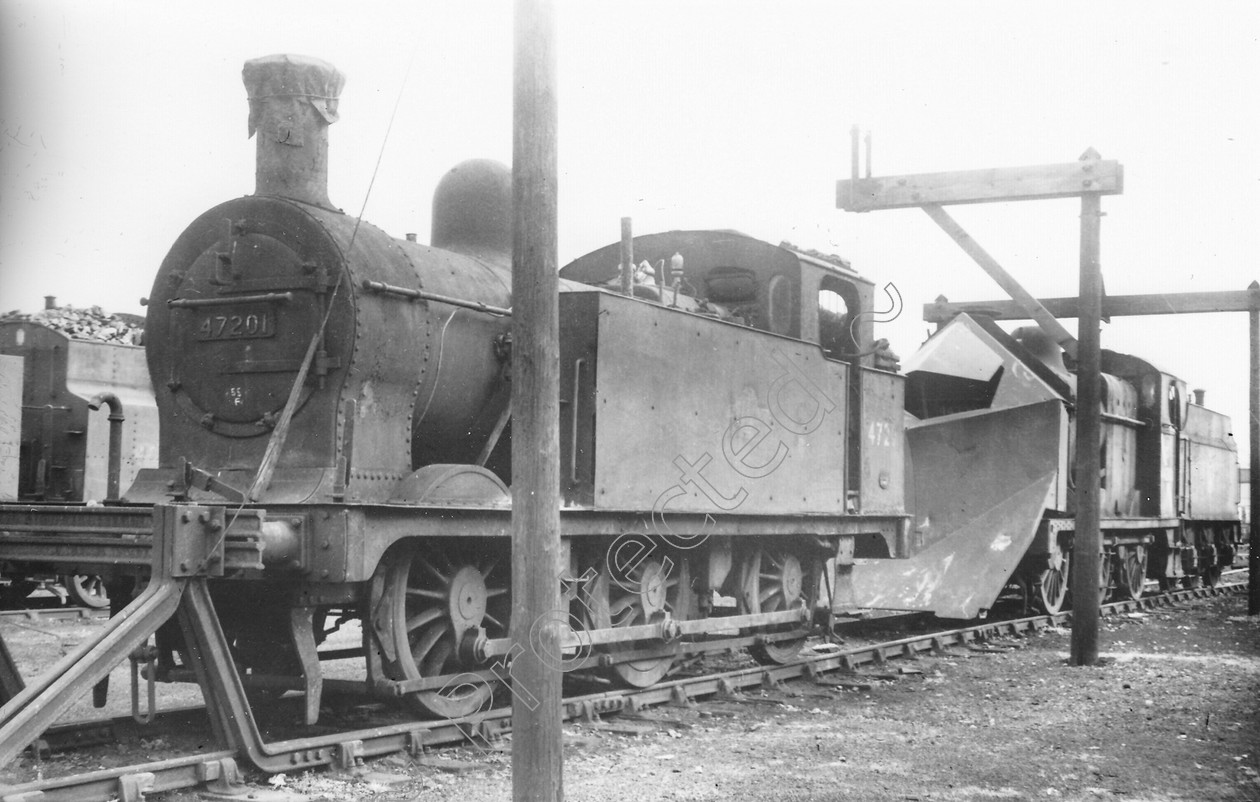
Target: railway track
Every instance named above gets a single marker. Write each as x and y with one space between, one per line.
220 770
54 613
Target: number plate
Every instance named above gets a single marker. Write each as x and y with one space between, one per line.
236 325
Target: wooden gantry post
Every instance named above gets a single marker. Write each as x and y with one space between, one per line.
1087 540
536 571
1253 535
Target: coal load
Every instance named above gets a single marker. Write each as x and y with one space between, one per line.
92 323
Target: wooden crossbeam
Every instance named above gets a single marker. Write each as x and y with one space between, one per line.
1071 180
1180 303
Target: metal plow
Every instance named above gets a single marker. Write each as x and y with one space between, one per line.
979 483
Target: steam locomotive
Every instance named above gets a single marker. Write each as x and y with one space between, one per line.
335 434
79 422
735 446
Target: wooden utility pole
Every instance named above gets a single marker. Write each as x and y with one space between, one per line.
1253 537
537 762
1087 542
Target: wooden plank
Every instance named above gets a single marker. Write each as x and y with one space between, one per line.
1038 182
1113 305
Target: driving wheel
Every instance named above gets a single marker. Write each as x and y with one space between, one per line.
433 596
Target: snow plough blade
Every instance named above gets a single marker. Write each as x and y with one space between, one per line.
980 483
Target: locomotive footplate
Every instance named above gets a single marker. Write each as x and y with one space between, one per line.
757 582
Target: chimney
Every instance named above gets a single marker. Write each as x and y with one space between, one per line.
1038 342
292 101
1199 395
50 301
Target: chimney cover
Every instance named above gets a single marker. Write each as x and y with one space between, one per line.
291 76
292 101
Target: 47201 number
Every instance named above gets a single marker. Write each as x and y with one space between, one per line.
236 325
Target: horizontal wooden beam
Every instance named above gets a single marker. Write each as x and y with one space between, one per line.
1180 303
1071 180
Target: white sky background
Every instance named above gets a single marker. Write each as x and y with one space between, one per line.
122 121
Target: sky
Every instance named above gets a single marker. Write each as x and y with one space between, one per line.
120 122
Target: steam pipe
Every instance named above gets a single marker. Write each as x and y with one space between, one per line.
116 419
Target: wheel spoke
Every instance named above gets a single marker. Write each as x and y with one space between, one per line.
425 617
445 560
425 644
434 663
428 566
426 593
